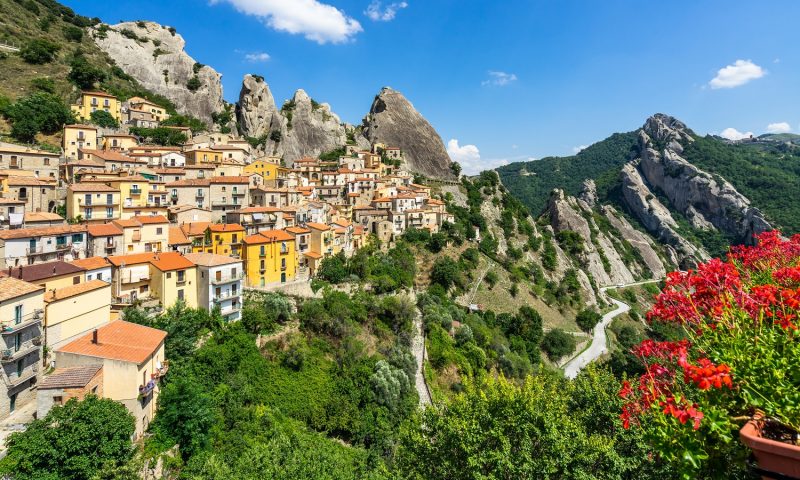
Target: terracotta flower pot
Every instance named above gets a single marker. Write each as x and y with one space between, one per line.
772 456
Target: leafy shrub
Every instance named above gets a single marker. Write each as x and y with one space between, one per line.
44 84
587 319
83 74
557 343
445 272
37 113
38 51
104 119
73 33
194 84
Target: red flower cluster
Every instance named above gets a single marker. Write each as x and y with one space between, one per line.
660 384
756 284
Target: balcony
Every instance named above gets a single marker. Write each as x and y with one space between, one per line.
37 250
159 373
97 203
237 194
136 191
147 389
225 203
110 245
63 246
133 278
8 355
227 279
17 379
25 322
200 194
226 295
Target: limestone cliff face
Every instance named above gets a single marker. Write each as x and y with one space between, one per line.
154 55
612 251
310 129
707 201
304 127
393 120
256 113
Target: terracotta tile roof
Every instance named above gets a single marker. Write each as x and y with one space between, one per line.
96 93
91 187
195 228
42 217
110 155
91 263
314 255
382 199
257 210
342 222
132 259
29 182
150 219
177 237
170 171
211 259
11 201
169 261
104 230
233 179
433 201
79 126
318 226
359 230
11 288
298 230
72 377
43 271
73 290
41 231
185 208
119 340
226 227
126 223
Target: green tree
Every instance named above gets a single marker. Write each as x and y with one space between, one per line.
83 74
73 441
101 118
587 319
557 343
390 384
73 33
37 113
333 269
38 51
186 413
445 272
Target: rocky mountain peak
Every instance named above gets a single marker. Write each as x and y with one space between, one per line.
668 131
154 55
393 120
256 111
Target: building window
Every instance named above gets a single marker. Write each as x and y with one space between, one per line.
76 280
180 294
169 274
181 276
159 231
109 212
18 314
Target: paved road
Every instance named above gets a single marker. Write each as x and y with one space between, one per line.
599 344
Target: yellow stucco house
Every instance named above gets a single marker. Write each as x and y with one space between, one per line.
269 258
75 310
270 171
322 237
92 101
173 277
93 202
222 239
76 137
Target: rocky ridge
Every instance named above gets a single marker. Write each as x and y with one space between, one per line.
154 56
707 201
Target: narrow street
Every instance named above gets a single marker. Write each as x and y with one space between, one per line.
418 350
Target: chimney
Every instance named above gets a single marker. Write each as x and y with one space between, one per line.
94 337
20 271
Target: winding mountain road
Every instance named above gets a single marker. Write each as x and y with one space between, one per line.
599 345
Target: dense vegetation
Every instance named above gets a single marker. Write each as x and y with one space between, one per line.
532 182
759 171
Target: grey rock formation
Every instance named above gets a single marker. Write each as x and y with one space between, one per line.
708 201
655 217
599 257
310 129
589 192
256 112
157 60
638 240
393 120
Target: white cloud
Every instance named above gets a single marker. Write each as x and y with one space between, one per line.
733 134
780 127
378 13
257 57
579 149
499 79
736 75
467 155
319 22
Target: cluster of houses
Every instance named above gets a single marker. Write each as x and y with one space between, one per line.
152 225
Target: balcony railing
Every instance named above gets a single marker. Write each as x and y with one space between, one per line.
200 194
225 203
160 372
132 278
110 245
25 322
17 379
227 278
226 295
136 191
97 203
64 246
9 355
37 250
147 389
237 193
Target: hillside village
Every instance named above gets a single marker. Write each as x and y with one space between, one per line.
150 225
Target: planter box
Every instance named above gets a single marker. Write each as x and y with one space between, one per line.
772 456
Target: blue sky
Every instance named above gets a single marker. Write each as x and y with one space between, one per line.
506 80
